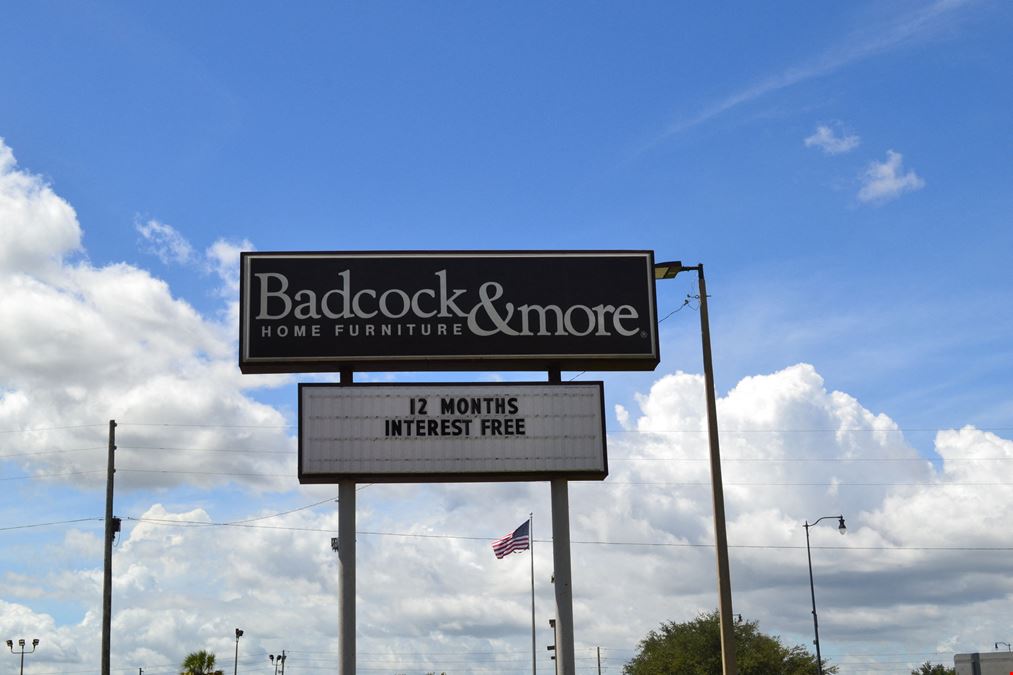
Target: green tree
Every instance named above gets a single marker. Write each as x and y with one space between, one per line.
200 663
694 648
928 668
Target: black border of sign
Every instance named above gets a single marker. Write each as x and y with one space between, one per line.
561 361
500 476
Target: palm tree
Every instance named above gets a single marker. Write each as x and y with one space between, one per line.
200 663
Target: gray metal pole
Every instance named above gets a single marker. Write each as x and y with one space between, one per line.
561 562
107 572
346 574
346 563
531 554
720 537
812 592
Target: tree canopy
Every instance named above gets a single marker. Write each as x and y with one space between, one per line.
929 668
694 648
200 663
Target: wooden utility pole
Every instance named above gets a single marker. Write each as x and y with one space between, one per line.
107 575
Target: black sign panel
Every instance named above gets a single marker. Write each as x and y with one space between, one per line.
447 310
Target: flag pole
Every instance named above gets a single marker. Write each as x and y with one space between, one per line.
531 551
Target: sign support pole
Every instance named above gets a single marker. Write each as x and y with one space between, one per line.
561 563
346 564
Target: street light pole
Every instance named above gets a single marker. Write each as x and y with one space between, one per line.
1008 648
668 270
21 644
812 588
235 666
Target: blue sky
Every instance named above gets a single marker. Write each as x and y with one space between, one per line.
842 171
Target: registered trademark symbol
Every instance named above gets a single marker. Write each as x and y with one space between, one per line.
643 334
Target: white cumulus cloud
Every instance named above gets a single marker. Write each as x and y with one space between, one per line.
37 227
827 140
82 344
884 181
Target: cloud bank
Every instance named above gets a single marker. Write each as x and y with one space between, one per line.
83 344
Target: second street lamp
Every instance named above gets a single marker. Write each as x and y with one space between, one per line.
812 590
235 666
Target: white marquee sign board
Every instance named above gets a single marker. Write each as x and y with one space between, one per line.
451 432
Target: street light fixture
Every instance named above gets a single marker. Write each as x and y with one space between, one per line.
278 660
668 270
21 644
812 591
1003 643
235 666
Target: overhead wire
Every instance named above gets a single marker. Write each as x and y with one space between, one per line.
51 475
55 522
30 430
284 513
243 451
419 535
203 426
51 452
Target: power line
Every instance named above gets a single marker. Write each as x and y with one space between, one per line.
30 430
283 513
209 450
182 523
245 451
799 484
821 430
55 522
605 483
51 475
809 459
207 473
51 452
203 426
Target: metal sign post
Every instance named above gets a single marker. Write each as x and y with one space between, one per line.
563 589
346 573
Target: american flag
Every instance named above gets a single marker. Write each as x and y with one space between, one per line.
518 540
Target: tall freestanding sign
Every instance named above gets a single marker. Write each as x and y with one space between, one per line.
449 310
